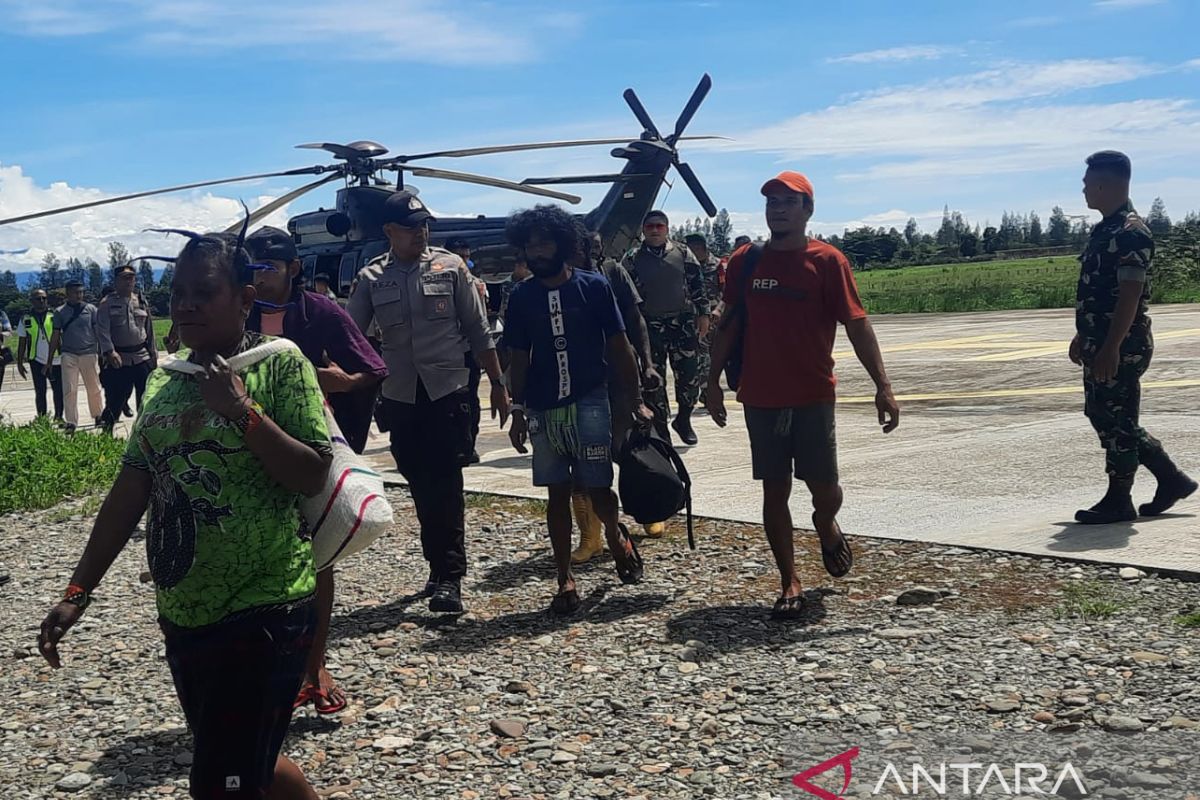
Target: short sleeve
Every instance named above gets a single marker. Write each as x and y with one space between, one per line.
516 333
21 334
626 291
133 456
1135 249
296 403
608 314
733 279
841 291
58 318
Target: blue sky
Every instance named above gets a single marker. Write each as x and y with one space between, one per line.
892 109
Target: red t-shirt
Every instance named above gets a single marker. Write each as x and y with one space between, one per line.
796 300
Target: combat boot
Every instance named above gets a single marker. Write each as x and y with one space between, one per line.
1116 505
683 426
1173 485
591 540
655 530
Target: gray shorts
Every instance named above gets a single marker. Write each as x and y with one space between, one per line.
793 441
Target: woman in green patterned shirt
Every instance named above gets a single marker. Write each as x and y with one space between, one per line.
221 457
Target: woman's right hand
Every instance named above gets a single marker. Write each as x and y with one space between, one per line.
54 627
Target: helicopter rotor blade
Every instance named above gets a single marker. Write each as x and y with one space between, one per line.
80 206
689 110
689 177
483 180
392 163
613 178
639 111
279 202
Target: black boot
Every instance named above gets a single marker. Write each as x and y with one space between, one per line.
1173 485
683 426
447 599
1116 506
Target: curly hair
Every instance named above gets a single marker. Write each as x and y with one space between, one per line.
547 221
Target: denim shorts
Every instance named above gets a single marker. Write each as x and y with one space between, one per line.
591 466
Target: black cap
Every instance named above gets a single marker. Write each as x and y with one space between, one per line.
696 237
322 276
125 268
271 244
742 240
457 243
73 284
405 208
655 214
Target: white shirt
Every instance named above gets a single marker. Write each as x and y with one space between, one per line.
43 343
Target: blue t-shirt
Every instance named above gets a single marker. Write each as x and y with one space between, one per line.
565 330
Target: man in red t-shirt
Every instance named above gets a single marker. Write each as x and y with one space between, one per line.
799 290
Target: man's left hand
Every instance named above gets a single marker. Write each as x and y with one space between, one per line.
1105 364
702 326
889 410
501 405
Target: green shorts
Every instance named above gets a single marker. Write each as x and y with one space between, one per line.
793 441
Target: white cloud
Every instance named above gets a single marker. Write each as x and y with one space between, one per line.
916 52
1000 121
1116 5
375 30
87 233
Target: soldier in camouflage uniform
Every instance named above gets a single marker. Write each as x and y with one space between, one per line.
710 269
1114 345
675 306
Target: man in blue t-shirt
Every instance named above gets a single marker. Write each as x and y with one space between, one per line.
563 327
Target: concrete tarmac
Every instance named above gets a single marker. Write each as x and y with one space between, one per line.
993 450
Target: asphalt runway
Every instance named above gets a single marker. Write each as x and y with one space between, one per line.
993 450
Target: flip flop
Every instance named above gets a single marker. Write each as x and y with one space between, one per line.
308 694
630 575
834 556
331 706
565 603
788 608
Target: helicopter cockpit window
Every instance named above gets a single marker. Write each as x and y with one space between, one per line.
347 270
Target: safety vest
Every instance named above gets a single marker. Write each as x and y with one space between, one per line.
35 330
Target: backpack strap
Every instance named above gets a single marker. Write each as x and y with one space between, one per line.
681 468
739 311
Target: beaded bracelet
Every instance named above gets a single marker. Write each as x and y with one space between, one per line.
77 595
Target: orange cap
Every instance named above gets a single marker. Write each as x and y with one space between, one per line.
790 182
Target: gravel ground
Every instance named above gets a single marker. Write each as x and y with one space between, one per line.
677 688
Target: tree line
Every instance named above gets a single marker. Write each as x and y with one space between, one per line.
55 274
956 239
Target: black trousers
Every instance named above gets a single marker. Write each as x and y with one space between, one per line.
474 377
119 383
353 410
431 442
39 389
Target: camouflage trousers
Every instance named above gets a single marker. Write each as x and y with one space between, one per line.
1112 408
704 359
673 339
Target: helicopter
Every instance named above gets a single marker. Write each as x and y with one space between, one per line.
338 242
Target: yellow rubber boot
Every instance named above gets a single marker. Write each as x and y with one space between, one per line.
655 530
591 540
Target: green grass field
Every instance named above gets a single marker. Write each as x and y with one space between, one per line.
984 286
161 326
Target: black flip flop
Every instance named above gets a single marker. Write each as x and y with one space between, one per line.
565 603
788 608
834 555
634 574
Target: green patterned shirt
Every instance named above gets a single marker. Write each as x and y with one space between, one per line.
222 536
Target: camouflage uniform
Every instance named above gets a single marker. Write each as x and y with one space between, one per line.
672 288
1120 248
711 271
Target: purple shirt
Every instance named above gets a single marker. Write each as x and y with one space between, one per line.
324 332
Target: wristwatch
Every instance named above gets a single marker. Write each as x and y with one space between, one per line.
250 419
